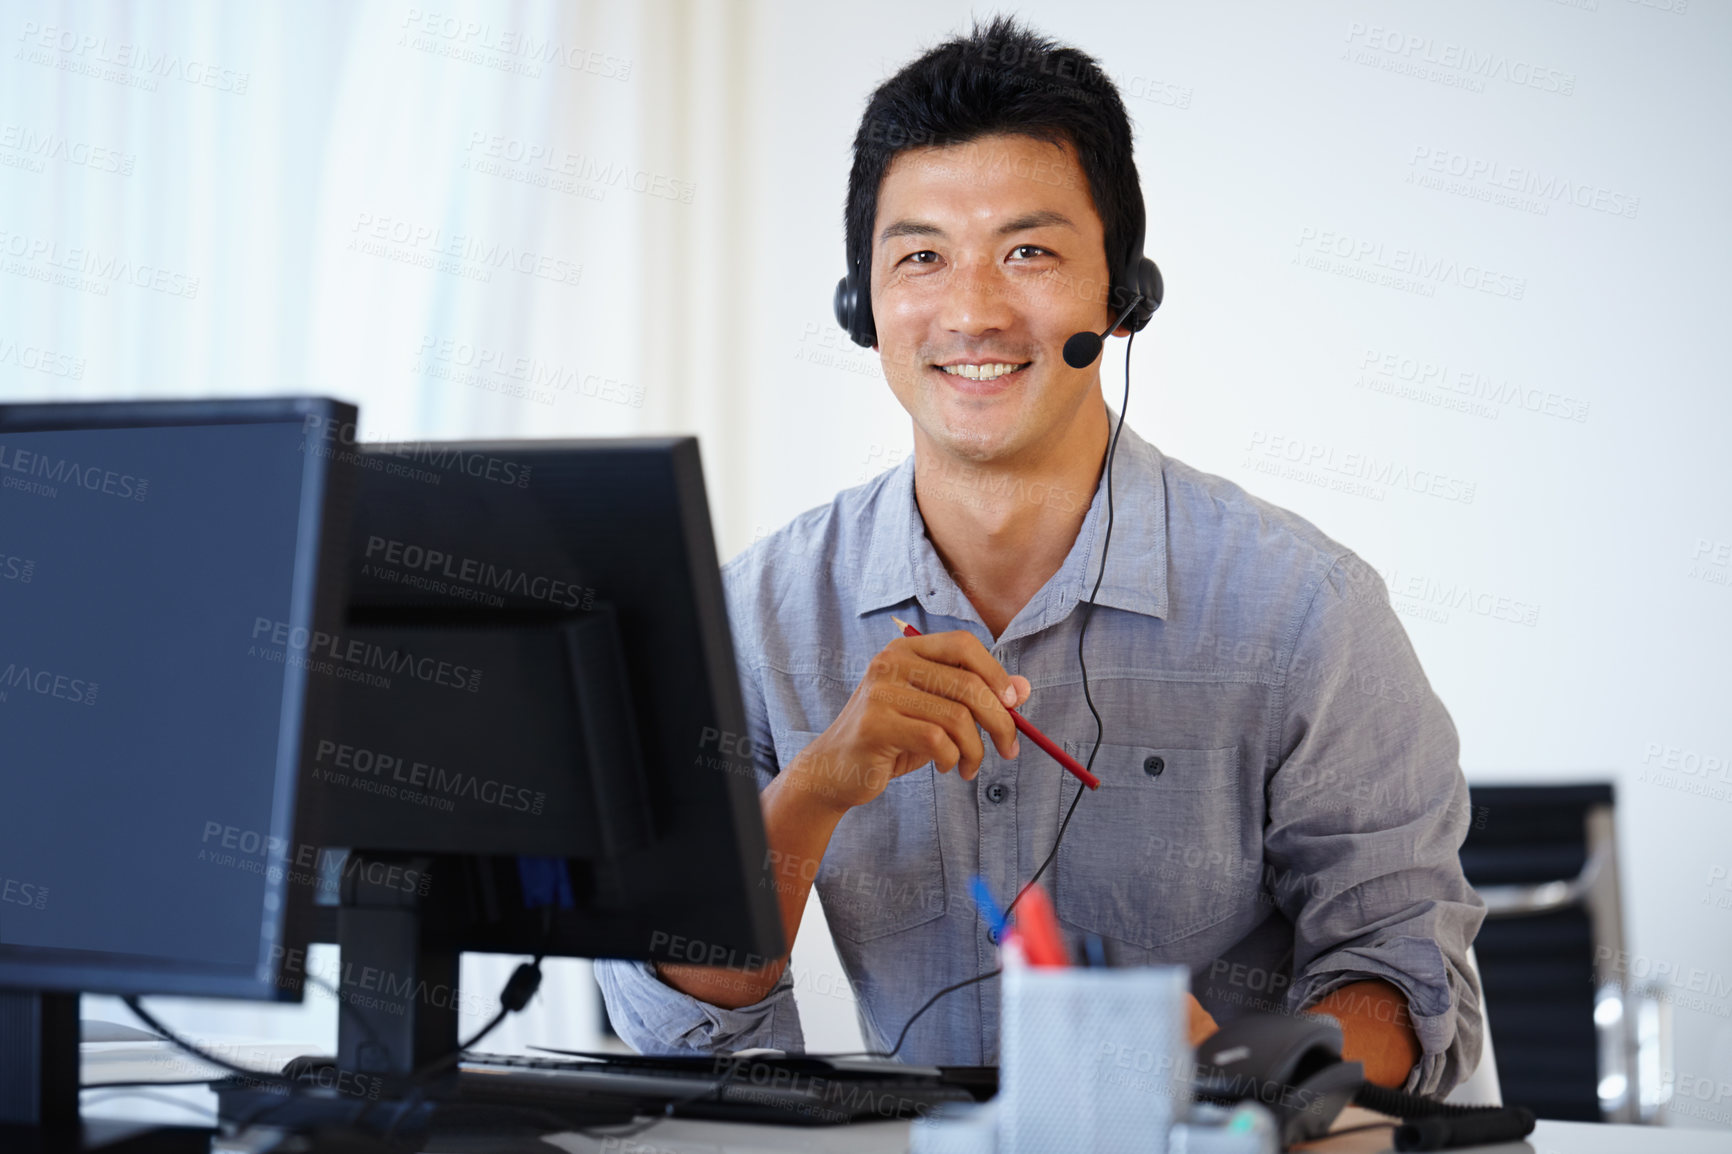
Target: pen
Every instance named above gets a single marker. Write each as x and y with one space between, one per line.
1070 763
995 919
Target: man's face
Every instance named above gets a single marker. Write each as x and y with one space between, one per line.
986 258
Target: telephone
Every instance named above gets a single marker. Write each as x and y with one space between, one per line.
1292 1065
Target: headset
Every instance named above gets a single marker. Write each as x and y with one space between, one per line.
1138 282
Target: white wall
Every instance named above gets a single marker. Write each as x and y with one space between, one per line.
1587 416
1266 133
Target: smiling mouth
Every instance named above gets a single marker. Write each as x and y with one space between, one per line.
986 372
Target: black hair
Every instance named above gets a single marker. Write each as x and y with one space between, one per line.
1003 78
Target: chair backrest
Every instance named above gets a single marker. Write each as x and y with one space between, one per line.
1543 859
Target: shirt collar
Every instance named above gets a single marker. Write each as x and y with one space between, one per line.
902 565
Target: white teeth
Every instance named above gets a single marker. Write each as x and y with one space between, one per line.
980 372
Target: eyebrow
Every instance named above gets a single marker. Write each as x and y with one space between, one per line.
1046 218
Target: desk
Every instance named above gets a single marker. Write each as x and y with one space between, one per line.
126 1061
678 1136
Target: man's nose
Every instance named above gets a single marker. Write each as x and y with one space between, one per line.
976 299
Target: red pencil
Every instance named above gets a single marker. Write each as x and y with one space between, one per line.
1034 735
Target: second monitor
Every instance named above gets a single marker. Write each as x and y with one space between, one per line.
530 680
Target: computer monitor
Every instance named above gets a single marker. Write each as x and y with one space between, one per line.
474 697
149 748
538 740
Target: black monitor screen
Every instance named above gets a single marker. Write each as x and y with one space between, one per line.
150 593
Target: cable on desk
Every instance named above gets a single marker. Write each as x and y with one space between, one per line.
131 1002
525 980
175 1039
268 1077
1427 1124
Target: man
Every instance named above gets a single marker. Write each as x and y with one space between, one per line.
1281 804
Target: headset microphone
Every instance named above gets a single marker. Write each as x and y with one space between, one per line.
1082 348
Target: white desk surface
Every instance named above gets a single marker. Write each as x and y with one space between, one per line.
678 1136
192 1105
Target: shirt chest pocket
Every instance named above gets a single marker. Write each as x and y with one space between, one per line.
882 872
1160 852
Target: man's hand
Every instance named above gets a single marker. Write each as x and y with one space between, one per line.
1202 1024
923 699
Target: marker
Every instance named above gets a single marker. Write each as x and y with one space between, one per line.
1070 763
1037 926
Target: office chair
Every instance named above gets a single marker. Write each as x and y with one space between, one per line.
1570 1029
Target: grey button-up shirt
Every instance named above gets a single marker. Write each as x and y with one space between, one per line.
1280 806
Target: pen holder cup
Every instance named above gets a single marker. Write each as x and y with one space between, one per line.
1093 1059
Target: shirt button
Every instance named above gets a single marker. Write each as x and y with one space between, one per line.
1153 766
992 936
996 793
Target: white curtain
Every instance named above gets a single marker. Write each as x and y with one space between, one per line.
473 220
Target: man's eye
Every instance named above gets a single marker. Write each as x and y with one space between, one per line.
1029 251
916 256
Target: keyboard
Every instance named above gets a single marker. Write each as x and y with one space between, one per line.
786 1090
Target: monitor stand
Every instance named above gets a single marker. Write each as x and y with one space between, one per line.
39 1060
39 1075
398 1016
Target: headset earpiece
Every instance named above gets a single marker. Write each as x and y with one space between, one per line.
1147 282
1141 277
853 305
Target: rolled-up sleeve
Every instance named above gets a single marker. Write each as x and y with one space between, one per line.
1367 812
648 1014
654 1018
